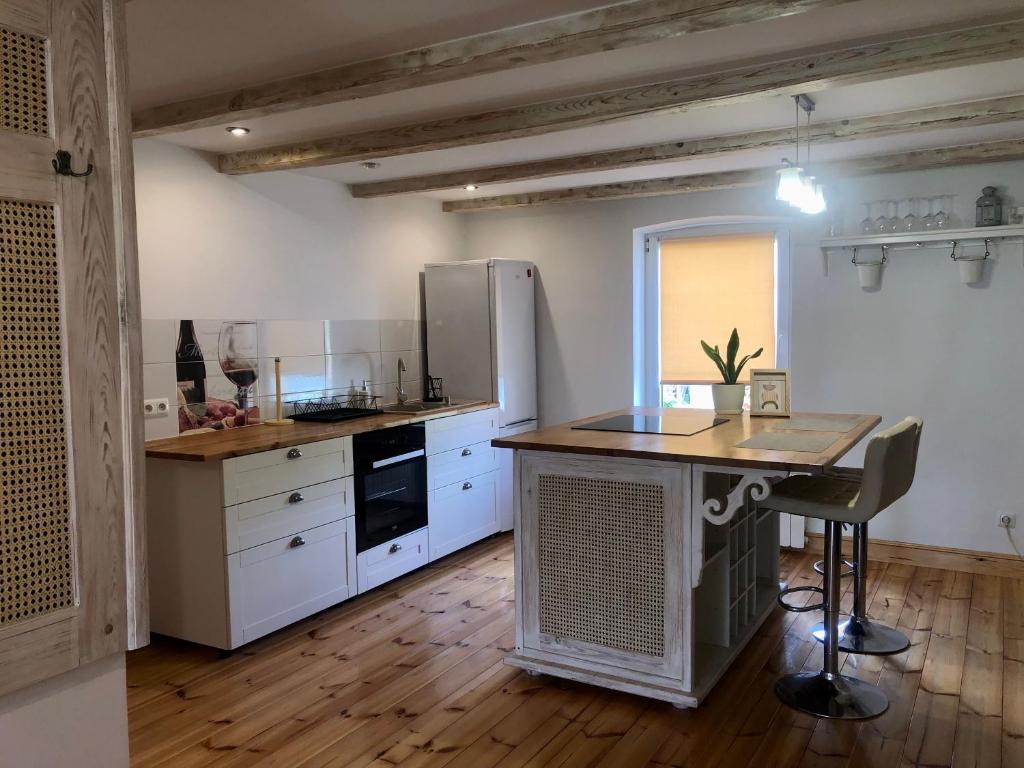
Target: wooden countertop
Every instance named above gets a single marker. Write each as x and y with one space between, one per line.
713 446
228 443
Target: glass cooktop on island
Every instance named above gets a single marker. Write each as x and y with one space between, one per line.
682 423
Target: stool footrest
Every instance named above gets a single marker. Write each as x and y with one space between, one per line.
819 568
801 608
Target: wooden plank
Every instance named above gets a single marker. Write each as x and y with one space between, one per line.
979 719
127 256
947 558
623 25
44 651
1013 672
25 170
969 154
973 113
799 71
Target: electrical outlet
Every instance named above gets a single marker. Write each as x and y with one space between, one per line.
1007 520
160 406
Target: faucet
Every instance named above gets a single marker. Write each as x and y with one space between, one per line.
402 397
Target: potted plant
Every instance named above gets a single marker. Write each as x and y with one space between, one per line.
728 395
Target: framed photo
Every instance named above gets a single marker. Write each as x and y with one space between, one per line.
769 392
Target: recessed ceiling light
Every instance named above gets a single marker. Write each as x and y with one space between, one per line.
237 130
470 187
371 164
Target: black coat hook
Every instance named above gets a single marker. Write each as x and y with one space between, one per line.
62 165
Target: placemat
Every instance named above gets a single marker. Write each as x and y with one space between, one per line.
818 423
802 442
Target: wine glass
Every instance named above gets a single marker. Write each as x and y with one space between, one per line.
941 217
910 220
929 219
893 225
881 220
867 226
236 346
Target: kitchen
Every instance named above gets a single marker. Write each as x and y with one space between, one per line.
403 278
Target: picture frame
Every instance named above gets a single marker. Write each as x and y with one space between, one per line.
769 392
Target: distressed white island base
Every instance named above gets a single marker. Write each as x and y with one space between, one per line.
643 563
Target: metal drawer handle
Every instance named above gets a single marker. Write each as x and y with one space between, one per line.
298 541
394 548
467 485
466 452
295 498
294 453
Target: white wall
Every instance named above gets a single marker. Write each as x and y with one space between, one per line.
924 344
276 245
75 720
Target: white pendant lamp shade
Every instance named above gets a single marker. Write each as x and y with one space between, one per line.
790 189
813 201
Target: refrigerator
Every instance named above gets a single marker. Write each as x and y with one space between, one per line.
481 339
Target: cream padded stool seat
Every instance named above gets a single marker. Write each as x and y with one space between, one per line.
889 464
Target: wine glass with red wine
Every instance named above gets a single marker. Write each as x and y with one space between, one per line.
236 348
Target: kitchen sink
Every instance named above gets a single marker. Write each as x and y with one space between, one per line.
414 406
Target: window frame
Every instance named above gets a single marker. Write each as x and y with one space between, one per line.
647 291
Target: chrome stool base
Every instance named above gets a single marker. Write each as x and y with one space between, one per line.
865 637
831 696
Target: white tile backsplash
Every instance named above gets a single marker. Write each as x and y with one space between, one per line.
389 365
400 335
350 336
291 338
344 371
298 374
159 340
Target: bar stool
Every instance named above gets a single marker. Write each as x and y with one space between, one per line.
858 634
889 464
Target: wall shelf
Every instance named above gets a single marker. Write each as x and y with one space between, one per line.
942 238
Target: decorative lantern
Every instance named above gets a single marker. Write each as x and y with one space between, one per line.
988 209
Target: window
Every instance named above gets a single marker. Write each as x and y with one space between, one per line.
703 284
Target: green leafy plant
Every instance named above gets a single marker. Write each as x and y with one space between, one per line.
728 368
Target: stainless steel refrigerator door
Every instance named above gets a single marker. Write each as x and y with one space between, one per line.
458 308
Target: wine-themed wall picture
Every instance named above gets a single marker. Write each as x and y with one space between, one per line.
769 392
217 370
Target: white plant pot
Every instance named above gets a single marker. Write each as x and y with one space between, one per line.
971 270
870 275
728 398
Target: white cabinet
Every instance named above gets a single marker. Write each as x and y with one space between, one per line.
462 474
463 513
282 581
392 559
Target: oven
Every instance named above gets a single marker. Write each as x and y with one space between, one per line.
391 484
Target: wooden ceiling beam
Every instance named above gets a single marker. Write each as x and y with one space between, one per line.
788 74
989 152
972 113
605 29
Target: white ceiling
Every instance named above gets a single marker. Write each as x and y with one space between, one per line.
214 46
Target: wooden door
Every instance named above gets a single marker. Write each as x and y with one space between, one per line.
68 343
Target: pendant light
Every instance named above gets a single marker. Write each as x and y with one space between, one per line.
795 187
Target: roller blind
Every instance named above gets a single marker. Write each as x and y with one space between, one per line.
710 285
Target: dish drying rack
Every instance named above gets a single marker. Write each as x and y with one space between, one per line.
336 407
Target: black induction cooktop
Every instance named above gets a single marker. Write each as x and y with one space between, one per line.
682 423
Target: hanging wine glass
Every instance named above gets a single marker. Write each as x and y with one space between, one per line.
236 347
910 220
893 225
867 226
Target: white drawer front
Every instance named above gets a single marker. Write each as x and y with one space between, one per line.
389 561
461 464
280 582
463 513
447 433
258 522
259 475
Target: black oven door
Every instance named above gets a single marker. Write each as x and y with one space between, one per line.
391 498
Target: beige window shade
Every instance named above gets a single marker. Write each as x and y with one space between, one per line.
710 285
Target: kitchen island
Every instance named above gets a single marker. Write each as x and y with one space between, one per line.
643 562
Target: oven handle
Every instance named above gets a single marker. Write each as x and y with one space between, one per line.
396 459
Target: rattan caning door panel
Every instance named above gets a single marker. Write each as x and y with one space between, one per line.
602 570
62 477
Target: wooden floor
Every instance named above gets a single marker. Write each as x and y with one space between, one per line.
412 675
